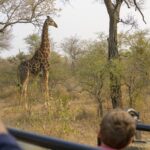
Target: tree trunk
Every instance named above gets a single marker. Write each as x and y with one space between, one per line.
115 90
130 97
112 40
100 107
115 85
113 9
101 112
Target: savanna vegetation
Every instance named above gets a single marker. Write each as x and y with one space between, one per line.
83 83
79 86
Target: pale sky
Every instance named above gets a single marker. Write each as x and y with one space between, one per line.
83 18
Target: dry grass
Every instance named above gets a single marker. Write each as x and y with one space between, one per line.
70 119
72 123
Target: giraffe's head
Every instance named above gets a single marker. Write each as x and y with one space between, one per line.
51 22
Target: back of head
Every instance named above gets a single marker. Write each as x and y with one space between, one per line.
117 129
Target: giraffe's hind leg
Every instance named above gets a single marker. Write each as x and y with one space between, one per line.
24 79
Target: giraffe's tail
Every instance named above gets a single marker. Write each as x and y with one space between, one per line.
18 84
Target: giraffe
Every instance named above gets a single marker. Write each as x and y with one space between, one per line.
38 63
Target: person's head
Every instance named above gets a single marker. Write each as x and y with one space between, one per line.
117 129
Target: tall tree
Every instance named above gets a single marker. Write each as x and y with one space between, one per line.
25 11
113 9
73 48
137 65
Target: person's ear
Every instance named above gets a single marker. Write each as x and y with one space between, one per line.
99 138
131 140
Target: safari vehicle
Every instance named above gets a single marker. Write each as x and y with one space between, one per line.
33 141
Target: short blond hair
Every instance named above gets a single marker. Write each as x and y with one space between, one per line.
117 129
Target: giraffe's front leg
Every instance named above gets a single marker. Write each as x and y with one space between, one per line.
45 84
24 100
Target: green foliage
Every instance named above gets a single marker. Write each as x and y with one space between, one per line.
33 42
136 65
62 110
92 66
8 74
7 79
92 71
115 67
74 48
21 56
59 70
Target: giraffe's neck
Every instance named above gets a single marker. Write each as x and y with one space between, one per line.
45 44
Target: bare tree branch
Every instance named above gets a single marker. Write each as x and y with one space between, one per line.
129 21
25 11
127 3
137 7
